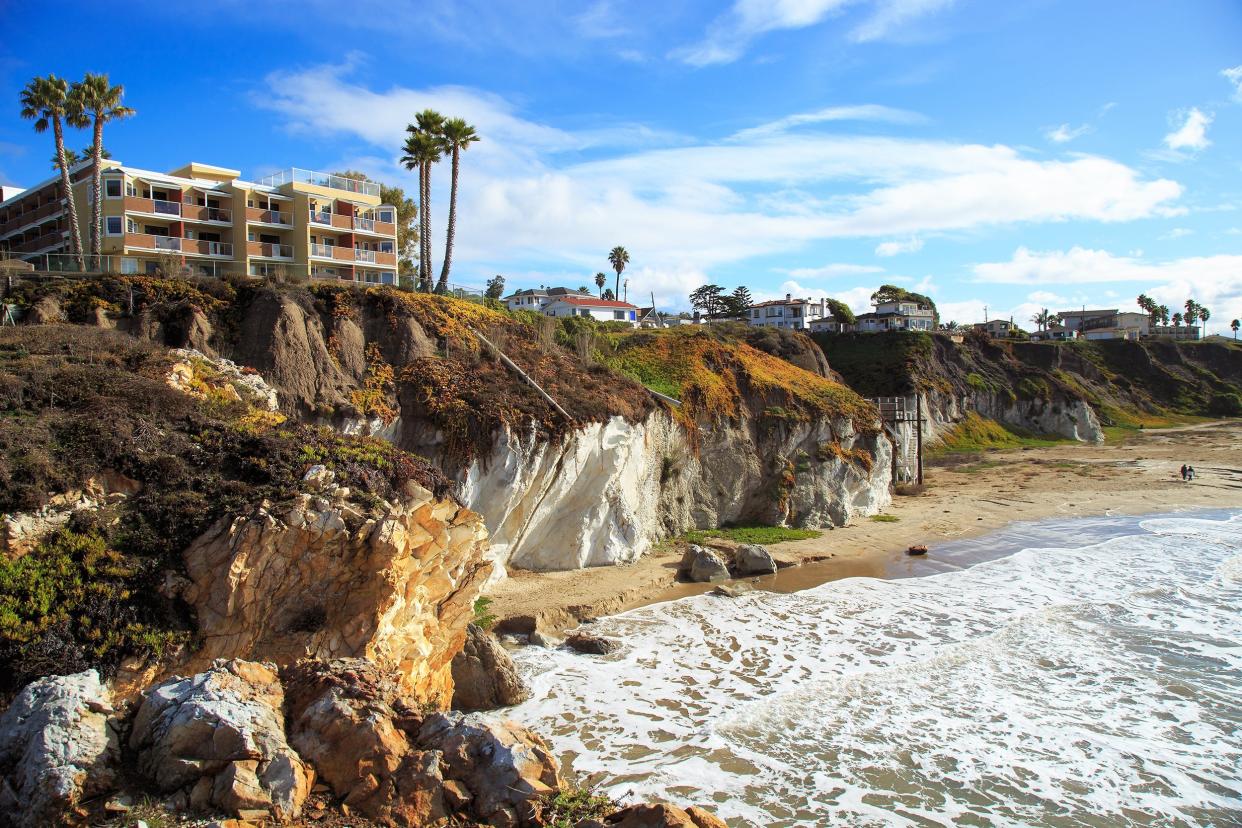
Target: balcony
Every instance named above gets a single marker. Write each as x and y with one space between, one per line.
269 251
364 255
319 179
176 244
31 216
40 243
321 217
253 214
199 213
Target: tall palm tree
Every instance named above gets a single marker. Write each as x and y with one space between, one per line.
1233 326
422 149
1177 320
600 281
619 259
458 136
1204 316
45 101
94 102
1042 319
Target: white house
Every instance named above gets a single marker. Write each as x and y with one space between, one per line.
830 324
604 310
897 316
1109 323
797 314
535 299
997 328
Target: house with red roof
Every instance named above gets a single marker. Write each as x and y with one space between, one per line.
603 310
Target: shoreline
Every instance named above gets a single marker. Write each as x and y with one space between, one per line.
962 500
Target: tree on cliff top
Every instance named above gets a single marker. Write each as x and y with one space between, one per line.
841 312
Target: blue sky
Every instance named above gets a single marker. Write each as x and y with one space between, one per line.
1016 155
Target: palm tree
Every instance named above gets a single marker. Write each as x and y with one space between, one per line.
45 101
1163 310
600 281
423 147
458 136
1177 320
95 102
1042 319
1204 316
1233 326
619 259
1192 310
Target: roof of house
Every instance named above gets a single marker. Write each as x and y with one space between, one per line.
782 302
556 291
589 302
1107 312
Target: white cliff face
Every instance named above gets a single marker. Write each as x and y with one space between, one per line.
609 491
1073 420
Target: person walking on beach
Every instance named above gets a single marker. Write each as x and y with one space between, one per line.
1190 472
1184 467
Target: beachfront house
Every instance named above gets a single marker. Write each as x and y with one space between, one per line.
602 310
997 328
795 314
1111 323
901 315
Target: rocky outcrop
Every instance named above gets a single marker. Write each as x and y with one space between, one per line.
506 768
58 748
22 531
609 491
346 719
662 816
225 374
1068 418
218 740
591 644
484 676
319 578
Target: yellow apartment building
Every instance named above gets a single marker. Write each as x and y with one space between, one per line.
202 219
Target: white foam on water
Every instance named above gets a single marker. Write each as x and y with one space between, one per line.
1098 685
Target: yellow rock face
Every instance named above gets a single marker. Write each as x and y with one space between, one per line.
317 579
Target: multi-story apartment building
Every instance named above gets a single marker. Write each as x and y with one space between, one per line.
207 220
897 316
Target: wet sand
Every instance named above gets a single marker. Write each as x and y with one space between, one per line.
1139 475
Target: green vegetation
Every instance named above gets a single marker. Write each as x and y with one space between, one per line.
570 805
79 405
482 617
885 518
974 433
752 534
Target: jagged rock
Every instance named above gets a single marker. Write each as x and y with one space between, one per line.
58 747
591 644
663 816
343 719
229 376
484 677
314 579
219 738
506 767
703 565
22 531
319 477
752 559
731 590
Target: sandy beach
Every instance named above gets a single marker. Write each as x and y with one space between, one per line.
963 498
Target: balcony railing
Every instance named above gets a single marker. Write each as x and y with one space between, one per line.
364 255
166 242
270 251
268 216
322 250
364 224
170 208
176 244
321 216
320 179
198 212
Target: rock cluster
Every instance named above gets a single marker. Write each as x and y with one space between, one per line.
703 565
484 676
657 816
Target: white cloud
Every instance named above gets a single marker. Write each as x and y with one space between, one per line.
1064 133
860 112
1046 297
1211 280
1192 134
893 248
1177 233
832 270
729 35
1234 75
527 201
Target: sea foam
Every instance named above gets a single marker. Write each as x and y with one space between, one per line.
1096 684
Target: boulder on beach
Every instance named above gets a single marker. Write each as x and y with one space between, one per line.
58 748
591 644
702 565
484 677
752 559
663 816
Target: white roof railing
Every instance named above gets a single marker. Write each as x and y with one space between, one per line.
321 179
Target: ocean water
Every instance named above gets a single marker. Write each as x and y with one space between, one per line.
1077 673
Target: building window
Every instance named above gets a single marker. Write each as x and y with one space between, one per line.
131 226
113 224
112 188
129 265
618 315
129 189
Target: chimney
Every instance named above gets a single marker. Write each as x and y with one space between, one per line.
788 296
